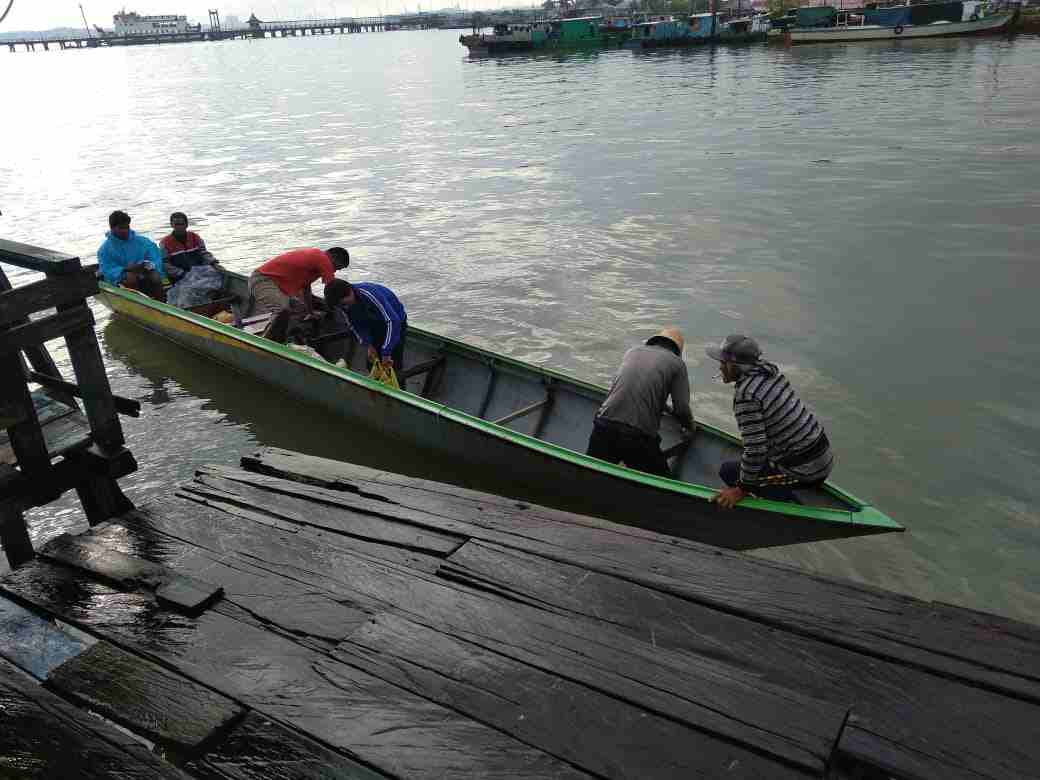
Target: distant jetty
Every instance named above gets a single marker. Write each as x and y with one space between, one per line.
172 29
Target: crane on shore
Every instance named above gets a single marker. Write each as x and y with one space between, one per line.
85 25
6 11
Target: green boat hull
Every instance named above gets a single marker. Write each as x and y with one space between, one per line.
542 450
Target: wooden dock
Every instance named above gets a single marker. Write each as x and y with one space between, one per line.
305 618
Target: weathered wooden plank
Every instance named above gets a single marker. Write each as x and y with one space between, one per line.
43 737
35 333
869 620
260 749
17 304
598 732
147 699
89 368
60 436
127 406
299 610
704 691
707 694
175 590
382 725
368 520
37 258
927 715
34 643
859 748
230 506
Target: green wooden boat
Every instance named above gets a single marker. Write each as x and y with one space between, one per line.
487 410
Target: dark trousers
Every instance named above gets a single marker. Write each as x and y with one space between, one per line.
778 487
619 443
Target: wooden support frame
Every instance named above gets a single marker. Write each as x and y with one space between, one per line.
524 411
17 304
421 368
127 406
91 472
489 391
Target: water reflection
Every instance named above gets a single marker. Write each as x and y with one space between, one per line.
867 211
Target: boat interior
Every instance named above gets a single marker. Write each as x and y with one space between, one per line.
522 398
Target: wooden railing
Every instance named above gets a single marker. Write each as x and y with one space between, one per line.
86 452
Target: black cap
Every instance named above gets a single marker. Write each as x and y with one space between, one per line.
736 349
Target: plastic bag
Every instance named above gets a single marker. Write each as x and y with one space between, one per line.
384 374
196 287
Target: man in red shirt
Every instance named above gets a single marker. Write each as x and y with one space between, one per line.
286 279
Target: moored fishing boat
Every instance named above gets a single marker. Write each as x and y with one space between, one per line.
586 31
485 410
930 20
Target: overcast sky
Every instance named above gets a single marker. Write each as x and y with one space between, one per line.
37 15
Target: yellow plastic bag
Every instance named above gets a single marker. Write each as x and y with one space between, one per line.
384 375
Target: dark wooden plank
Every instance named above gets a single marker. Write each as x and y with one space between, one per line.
381 724
175 590
43 737
260 749
298 610
61 435
598 732
866 619
39 357
705 691
127 406
859 748
368 520
231 506
959 725
89 369
38 331
37 258
19 303
27 446
149 700
869 620
34 643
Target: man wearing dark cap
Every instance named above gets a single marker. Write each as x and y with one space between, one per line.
785 447
625 428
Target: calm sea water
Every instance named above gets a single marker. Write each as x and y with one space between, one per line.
869 212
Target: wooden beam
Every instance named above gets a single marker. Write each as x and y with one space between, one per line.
37 258
524 411
37 332
127 406
38 356
17 304
421 368
489 390
89 368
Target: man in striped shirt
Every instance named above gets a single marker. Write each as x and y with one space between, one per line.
785 447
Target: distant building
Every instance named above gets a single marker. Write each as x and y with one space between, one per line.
132 23
232 22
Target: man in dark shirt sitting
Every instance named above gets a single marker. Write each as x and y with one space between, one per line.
183 249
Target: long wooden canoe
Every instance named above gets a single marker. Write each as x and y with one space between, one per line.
485 410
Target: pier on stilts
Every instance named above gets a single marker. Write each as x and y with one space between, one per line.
300 618
62 435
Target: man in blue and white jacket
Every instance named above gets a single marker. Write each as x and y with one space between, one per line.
129 259
376 317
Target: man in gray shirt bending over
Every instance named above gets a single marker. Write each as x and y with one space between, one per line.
625 428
